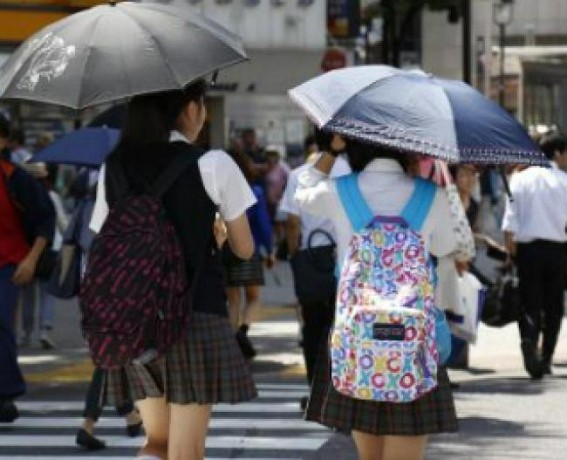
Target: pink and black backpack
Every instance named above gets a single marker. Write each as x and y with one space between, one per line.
135 298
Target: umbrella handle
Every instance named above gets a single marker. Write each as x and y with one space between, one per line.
506 183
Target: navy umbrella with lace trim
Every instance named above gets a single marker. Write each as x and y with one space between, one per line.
111 52
417 113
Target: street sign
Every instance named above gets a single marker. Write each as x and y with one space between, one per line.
334 58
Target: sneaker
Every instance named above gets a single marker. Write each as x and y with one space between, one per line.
244 342
46 342
87 441
8 412
547 369
532 363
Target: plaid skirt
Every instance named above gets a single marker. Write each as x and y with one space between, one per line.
207 367
245 273
433 413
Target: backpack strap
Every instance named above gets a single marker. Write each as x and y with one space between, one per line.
173 171
356 208
417 209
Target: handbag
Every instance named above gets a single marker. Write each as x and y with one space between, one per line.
461 228
314 271
503 302
65 280
45 264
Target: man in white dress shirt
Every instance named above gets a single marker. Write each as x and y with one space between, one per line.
535 224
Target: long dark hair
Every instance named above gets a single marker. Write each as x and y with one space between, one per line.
360 154
243 161
151 117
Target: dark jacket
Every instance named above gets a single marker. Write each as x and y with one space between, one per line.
32 200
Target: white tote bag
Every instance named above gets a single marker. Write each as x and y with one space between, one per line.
461 228
465 317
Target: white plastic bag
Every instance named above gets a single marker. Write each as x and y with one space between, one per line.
465 316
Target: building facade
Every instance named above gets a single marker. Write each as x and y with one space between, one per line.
285 41
534 72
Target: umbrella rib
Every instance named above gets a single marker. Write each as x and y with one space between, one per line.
156 43
365 87
88 52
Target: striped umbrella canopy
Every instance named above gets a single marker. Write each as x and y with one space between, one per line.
417 113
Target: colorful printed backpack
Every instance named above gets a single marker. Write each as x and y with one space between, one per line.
135 298
383 345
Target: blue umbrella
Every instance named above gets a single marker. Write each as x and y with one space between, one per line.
84 147
416 112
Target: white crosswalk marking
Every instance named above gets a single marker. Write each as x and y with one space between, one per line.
270 427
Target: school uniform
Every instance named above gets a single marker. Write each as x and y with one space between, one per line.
206 366
386 189
251 272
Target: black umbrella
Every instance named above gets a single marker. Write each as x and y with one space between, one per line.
110 52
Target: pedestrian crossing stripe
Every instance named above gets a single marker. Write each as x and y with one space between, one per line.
51 423
254 429
78 406
213 442
90 457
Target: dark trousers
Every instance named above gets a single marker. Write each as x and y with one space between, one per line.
317 321
541 273
94 403
12 383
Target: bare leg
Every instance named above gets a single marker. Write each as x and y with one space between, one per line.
188 426
252 308
369 446
404 447
155 415
233 296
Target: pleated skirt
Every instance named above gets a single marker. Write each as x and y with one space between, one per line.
245 273
207 367
432 413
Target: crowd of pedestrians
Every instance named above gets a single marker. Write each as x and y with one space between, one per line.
247 207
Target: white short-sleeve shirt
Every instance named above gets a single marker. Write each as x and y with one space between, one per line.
223 181
539 206
387 189
310 222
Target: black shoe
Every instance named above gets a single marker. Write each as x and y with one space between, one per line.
546 365
134 430
531 361
88 441
244 342
8 412
303 402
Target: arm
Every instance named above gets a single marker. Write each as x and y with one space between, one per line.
510 243
315 193
240 237
26 268
293 233
38 211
